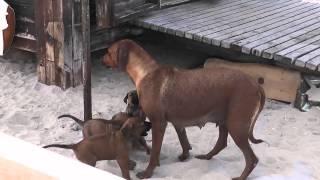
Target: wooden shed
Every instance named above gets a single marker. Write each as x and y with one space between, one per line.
55 31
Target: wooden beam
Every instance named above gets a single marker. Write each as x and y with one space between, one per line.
278 83
104 13
85 16
21 160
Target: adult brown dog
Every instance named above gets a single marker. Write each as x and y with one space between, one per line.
111 145
185 98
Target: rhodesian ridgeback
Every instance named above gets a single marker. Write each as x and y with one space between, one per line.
186 98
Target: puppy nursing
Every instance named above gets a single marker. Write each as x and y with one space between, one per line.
111 139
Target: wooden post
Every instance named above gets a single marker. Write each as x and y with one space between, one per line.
87 98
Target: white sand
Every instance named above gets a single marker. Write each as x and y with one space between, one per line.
29 110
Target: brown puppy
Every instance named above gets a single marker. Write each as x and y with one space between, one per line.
185 98
111 145
98 126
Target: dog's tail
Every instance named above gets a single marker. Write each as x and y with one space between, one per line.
262 102
64 146
77 120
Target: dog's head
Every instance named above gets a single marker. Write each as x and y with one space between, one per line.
132 101
117 55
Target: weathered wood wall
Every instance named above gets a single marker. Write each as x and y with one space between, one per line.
59 42
52 29
25 37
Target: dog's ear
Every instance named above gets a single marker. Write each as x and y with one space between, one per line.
122 54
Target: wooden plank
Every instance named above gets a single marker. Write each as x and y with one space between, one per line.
67 43
104 13
242 13
306 60
288 55
40 39
11 170
36 163
219 13
300 52
249 29
186 14
286 41
85 26
164 3
133 12
270 52
25 44
102 38
168 12
79 43
58 40
278 83
219 17
314 63
184 20
205 36
246 44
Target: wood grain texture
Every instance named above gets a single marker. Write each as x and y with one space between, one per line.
280 30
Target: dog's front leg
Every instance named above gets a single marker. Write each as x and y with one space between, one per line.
158 129
182 135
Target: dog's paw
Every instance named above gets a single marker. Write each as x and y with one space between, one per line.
203 157
144 174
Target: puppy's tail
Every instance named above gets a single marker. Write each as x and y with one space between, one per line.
64 146
262 102
78 121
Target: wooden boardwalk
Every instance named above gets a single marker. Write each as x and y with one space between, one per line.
287 31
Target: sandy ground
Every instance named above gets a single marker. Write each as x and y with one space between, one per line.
29 110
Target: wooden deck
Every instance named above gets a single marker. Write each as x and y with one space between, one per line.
287 31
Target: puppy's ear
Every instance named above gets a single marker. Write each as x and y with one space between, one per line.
135 99
126 127
125 99
122 54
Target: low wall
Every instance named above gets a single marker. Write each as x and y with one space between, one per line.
20 160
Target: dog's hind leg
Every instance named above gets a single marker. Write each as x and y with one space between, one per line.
182 135
239 133
90 161
220 145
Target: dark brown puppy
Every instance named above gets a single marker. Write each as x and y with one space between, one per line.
185 98
111 145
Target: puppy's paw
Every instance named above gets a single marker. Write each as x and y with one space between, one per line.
184 156
132 164
144 174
